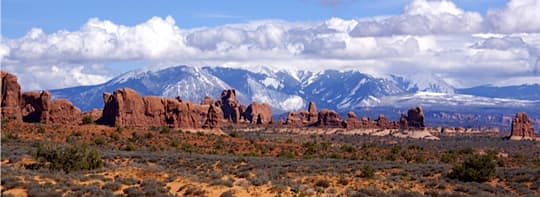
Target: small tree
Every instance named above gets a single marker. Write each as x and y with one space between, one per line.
478 168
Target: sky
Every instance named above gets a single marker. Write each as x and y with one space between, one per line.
63 43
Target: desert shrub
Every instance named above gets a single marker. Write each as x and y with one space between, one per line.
286 154
165 130
41 129
130 147
174 143
343 181
227 182
259 180
133 191
234 134
347 148
114 186
128 181
71 158
87 120
227 193
187 147
99 141
322 183
368 171
478 168
449 157
151 187
10 182
148 135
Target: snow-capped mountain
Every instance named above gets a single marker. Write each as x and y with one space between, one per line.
287 90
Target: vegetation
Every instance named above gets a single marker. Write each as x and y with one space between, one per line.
478 168
87 120
68 159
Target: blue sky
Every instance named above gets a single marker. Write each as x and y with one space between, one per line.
19 16
63 43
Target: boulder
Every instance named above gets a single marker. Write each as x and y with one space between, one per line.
11 97
415 117
260 113
328 118
63 111
522 127
230 105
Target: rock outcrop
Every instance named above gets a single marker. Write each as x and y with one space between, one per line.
125 107
522 127
352 121
415 117
328 118
36 106
259 113
95 114
312 115
293 120
207 100
11 97
63 111
230 105
214 117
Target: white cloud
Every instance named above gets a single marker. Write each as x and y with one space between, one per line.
428 36
518 16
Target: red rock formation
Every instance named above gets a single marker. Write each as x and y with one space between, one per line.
522 127
36 106
258 113
403 122
95 114
63 111
182 114
293 120
154 111
207 100
125 107
415 117
230 106
312 112
280 121
214 117
11 97
352 121
328 118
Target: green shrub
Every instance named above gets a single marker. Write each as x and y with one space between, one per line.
165 130
130 147
368 171
347 148
478 168
87 120
449 157
69 158
286 154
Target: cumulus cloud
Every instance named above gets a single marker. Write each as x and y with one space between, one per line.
427 36
516 16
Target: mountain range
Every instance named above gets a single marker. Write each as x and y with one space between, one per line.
289 90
